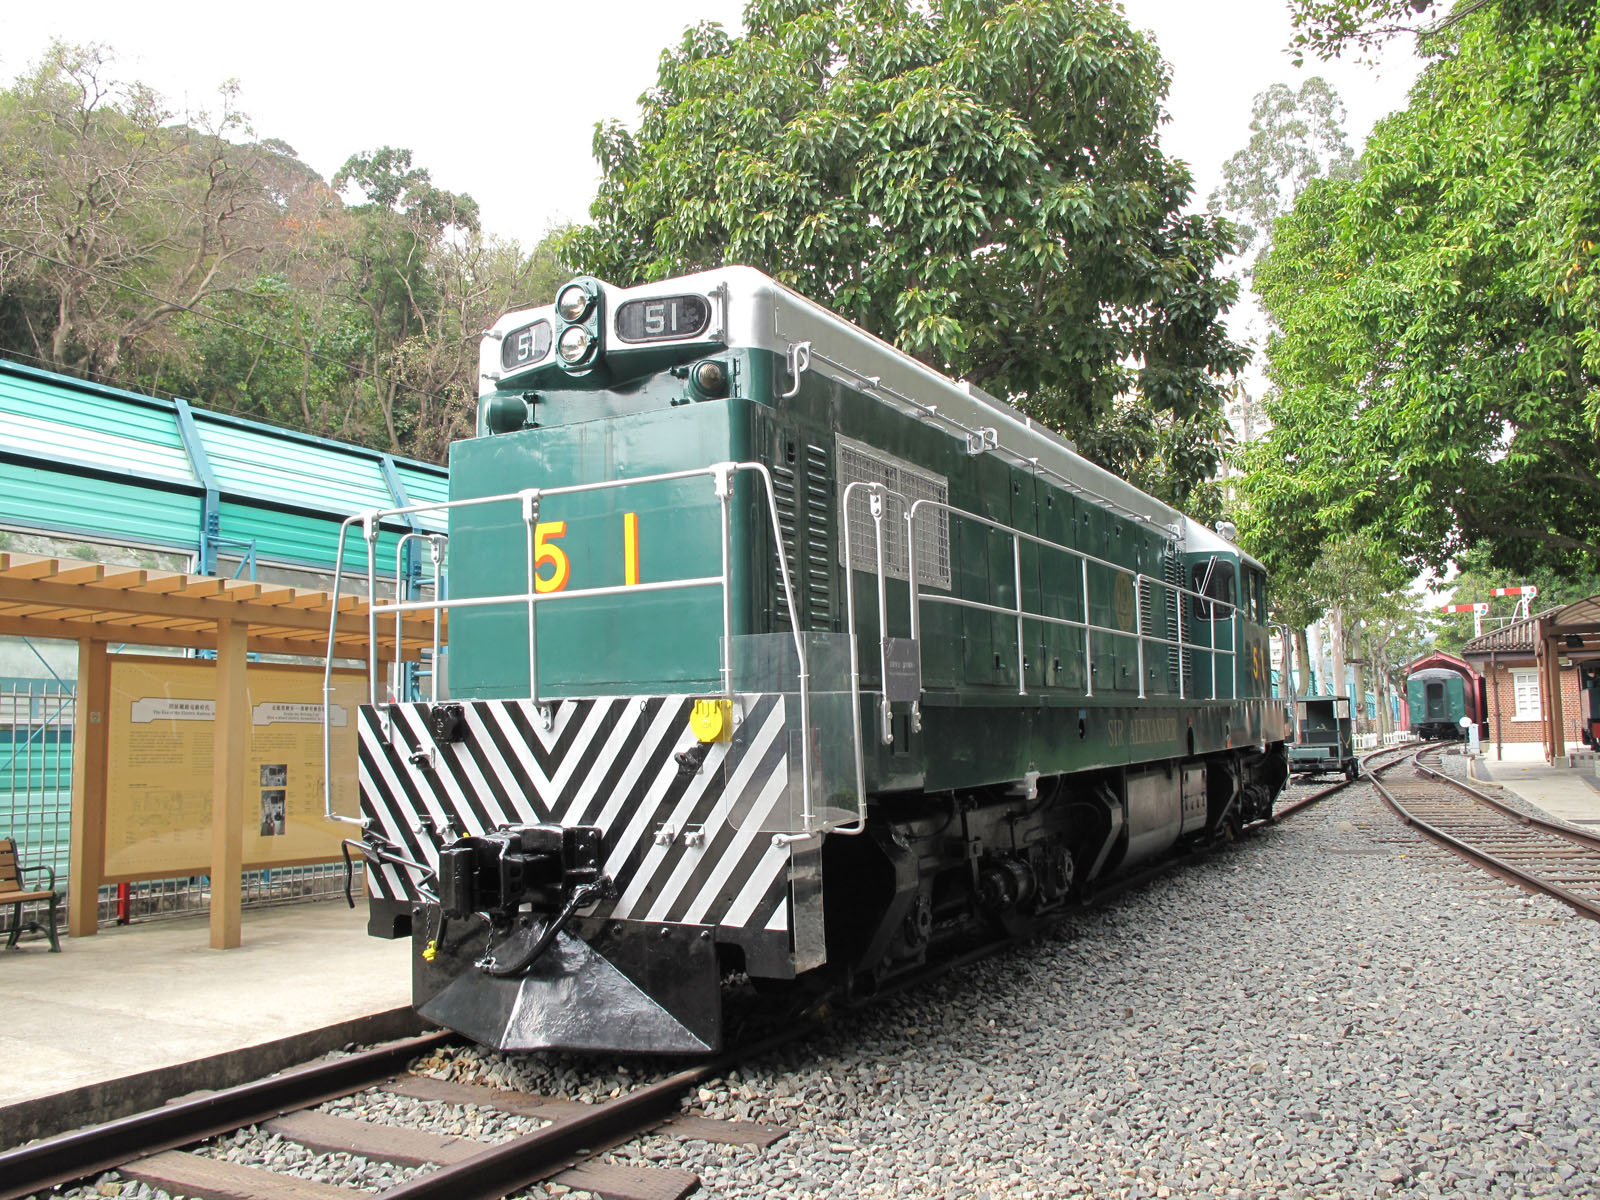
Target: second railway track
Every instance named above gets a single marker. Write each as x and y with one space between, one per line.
1540 855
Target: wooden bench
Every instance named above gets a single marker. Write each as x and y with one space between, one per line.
14 893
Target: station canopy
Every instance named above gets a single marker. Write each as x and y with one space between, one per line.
1577 625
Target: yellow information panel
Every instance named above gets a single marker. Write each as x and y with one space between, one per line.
158 791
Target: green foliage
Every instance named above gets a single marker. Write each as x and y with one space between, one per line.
977 181
1169 457
189 258
1327 28
1438 360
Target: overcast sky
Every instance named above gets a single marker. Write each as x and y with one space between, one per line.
501 102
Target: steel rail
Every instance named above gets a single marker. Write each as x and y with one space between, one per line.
1295 806
1491 862
86 1152
1581 836
513 1166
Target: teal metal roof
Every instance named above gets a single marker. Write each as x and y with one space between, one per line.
83 458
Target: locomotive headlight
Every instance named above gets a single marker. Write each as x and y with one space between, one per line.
573 302
575 344
711 378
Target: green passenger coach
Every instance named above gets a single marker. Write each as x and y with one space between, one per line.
772 650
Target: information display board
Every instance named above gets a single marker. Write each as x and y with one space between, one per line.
161 734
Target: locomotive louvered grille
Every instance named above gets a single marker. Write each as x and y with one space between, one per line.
1177 660
783 489
1147 615
861 464
819 529
805 519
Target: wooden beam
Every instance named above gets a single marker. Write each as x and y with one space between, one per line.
86 862
191 603
26 566
134 635
227 786
75 573
202 585
119 578
161 582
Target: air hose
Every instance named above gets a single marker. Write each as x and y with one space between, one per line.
585 895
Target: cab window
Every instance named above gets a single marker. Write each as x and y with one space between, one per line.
1255 596
1213 578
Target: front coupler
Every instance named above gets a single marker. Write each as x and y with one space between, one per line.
505 959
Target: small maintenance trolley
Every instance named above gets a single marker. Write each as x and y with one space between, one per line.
1324 739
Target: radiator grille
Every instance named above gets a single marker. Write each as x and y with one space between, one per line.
1177 660
862 464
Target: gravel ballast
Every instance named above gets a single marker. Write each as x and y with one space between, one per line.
1331 1008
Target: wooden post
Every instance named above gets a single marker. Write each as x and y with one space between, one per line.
227 785
1556 742
86 863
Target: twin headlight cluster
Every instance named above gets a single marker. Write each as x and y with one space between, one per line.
578 308
577 341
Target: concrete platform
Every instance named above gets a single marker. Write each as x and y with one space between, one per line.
1566 793
135 1015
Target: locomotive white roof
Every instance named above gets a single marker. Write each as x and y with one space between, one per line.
753 310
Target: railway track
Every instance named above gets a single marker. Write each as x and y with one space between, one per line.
565 1147
1369 765
1543 856
155 1147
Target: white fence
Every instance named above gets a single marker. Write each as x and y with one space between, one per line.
1370 741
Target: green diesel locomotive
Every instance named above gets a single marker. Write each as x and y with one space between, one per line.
772 650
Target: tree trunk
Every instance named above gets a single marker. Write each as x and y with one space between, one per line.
1337 677
1302 646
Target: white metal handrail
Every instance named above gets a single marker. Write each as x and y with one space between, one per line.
878 493
436 545
529 500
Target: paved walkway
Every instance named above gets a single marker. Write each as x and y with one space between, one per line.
141 998
1569 794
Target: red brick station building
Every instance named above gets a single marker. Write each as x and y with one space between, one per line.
1543 677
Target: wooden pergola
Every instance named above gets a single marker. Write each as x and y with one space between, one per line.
98 606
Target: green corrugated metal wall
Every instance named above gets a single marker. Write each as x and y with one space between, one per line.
81 458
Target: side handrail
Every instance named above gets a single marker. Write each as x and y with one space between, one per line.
436 546
1140 635
529 500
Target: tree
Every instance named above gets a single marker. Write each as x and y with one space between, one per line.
406 221
1295 137
1326 28
1371 613
114 219
1163 455
978 182
189 258
1438 360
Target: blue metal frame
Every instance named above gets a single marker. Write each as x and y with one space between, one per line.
211 504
